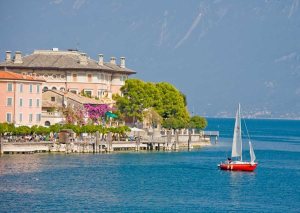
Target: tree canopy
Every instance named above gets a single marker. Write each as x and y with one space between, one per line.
198 122
137 96
163 98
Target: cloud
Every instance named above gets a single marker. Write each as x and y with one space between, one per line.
293 8
191 29
287 57
56 1
78 4
163 29
269 84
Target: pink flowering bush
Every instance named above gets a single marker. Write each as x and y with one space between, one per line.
95 112
74 115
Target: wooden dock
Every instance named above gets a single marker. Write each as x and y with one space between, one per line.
167 142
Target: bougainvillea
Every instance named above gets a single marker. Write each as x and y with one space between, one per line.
74 115
95 112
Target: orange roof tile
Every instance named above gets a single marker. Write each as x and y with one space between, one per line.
15 76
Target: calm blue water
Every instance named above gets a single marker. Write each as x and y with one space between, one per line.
160 181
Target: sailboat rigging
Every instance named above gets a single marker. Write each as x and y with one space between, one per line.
237 149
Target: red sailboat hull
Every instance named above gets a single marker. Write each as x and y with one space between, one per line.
238 166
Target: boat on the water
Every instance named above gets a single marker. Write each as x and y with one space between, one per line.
236 152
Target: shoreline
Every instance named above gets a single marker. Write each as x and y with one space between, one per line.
9 148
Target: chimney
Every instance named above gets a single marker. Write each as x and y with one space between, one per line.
100 62
122 65
113 60
18 58
8 56
83 59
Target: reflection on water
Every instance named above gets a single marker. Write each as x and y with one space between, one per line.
240 184
14 164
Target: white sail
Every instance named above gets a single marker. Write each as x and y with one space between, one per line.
237 136
252 155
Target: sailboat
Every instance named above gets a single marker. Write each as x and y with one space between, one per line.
239 164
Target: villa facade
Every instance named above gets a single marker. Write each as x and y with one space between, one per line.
21 99
55 101
71 71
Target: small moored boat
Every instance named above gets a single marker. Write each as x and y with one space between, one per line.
239 165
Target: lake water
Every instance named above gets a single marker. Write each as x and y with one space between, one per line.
161 181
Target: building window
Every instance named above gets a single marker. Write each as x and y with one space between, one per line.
62 89
107 78
123 78
54 88
75 77
20 117
47 123
21 87
8 117
89 77
53 99
38 88
21 102
30 102
88 92
9 101
100 93
38 117
9 87
102 77
30 88
45 89
30 117
37 102
73 91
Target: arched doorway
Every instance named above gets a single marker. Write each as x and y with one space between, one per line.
47 123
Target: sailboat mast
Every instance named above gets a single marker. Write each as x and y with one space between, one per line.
237 136
240 132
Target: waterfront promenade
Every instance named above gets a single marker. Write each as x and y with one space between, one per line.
168 142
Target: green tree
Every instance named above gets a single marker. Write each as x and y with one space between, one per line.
89 128
55 128
163 98
22 130
174 123
137 96
172 104
198 122
6 127
75 128
41 130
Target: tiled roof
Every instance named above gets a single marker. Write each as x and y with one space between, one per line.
49 104
15 76
81 99
41 59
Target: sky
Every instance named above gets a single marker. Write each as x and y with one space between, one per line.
218 52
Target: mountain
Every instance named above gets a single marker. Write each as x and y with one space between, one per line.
218 53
